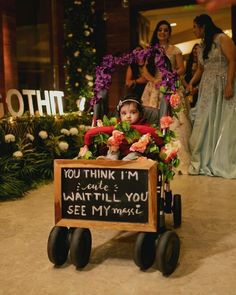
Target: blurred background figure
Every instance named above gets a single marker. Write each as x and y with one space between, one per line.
135 81
152 97
216 4
191 67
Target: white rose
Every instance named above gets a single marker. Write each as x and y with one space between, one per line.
86 33
63 146
30 136
43 134
9 138
65 131
89 77
74 131
18 154
76 53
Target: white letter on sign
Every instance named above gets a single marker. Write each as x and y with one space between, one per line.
20 111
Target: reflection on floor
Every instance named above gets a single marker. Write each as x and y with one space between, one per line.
207 264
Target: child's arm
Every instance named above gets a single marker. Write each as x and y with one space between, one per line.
94 131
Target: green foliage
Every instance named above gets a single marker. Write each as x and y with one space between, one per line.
79 49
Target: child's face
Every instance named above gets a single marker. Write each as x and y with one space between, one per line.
129 112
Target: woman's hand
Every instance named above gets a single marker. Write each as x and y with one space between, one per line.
228 91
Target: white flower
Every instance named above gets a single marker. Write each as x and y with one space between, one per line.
18 154
74 131
77 84
92 3
30 136
89 77
43 134
65 131
76 53
90 83
9 138
79 70
86 26
70 35
86 33
63 146
94 50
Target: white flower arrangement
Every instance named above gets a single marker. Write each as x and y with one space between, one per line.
65 131
74 131
30 137
43 134
63 146
17 154
9 138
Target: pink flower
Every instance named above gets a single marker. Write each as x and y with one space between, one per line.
175 100
165 122
115 140
83 150
170 150
141 145
118 135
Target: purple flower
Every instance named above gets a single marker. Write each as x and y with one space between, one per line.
103 72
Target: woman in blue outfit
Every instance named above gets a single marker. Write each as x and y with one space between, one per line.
213 138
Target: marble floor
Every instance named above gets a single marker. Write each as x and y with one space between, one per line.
207 263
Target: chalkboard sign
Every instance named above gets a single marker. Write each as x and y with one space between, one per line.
106 193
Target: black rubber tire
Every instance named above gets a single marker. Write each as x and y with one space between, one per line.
57 246
80 247
168 202
167 252
144 252
177 211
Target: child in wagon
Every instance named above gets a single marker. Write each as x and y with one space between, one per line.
129 110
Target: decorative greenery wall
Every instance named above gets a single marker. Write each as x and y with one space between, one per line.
80 51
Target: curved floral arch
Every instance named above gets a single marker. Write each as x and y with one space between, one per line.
103 79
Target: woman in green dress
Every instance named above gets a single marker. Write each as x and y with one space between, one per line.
213 138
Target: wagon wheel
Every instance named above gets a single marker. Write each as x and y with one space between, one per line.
80 247
168 201
144 252
177 211
58 246
167 252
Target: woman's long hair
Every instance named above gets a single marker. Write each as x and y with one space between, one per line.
154 40
189 64
210 29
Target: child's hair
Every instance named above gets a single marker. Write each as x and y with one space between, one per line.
129 99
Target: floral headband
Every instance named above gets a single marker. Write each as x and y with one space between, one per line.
121 102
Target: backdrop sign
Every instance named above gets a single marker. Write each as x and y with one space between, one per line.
98 192
45 102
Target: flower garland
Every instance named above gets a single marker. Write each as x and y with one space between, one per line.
168 85
165 152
